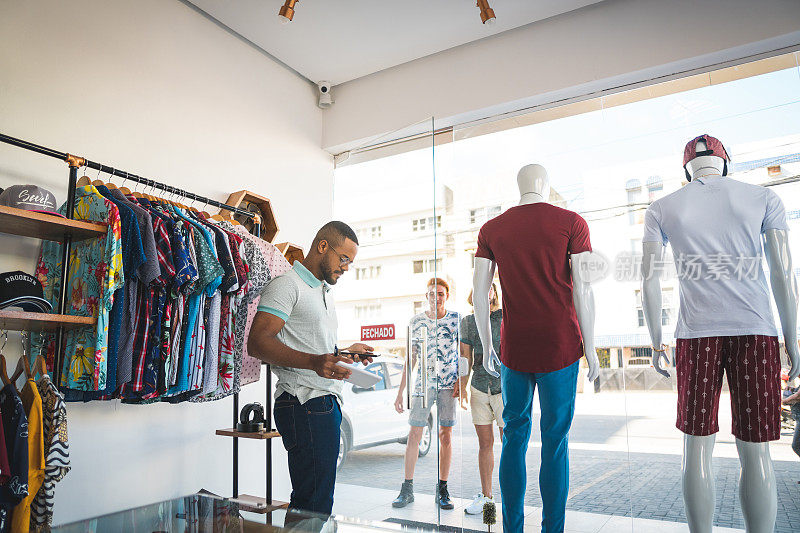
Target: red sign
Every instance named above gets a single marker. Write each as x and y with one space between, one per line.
383 332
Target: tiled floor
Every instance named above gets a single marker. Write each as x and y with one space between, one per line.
373 504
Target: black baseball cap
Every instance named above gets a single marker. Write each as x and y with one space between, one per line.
18 289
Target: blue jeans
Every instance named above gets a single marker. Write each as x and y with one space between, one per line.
557 403
310 434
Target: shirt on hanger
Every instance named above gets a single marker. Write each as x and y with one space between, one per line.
146 273
178 323
225 360
56 451
248 369
158 294
255 264
210 368
5 469
276 265
133 258
96 272
32 402
531 245
15 426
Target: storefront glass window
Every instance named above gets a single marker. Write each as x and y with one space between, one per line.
607 159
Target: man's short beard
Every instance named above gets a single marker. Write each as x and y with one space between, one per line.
327 273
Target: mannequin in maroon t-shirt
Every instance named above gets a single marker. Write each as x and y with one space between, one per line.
548 324
534 188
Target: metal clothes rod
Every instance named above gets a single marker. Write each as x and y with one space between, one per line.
80 161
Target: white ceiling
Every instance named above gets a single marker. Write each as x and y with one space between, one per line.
341 40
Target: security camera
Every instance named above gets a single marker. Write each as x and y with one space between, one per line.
325 99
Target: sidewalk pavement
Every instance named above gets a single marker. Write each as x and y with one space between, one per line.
625 460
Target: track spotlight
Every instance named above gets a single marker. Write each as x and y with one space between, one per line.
286 12
487 13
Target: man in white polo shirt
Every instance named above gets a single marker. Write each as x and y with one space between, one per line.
295 332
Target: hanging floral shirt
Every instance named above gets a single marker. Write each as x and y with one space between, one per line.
95 273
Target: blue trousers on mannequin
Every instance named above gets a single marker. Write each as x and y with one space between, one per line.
557 403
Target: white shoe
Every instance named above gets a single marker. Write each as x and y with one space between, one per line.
476 507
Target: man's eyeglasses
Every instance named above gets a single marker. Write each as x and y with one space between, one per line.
343 259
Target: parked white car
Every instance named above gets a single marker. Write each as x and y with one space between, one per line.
369 418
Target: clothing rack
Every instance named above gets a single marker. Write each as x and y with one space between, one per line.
75 163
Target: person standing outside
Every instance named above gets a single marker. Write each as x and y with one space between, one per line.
295 332
485 399
794 402
441 326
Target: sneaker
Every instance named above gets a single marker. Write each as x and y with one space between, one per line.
476 507
406 495
443 496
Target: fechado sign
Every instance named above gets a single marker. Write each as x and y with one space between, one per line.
382 332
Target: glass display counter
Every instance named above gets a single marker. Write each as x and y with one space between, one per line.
207 513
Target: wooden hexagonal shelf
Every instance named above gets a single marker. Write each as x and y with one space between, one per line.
255 203
291 252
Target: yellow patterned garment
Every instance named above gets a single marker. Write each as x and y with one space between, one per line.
95 273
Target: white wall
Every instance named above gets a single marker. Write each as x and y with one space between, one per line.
606 45
154 88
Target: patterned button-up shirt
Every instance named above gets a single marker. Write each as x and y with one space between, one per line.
95 273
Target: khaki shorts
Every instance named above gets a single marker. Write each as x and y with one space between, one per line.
486 409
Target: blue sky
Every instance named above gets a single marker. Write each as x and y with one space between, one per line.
738 113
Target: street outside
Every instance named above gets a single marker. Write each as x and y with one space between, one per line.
616 468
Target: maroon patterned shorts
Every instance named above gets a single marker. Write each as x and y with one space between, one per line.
752 366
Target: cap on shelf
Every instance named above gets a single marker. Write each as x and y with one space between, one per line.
30 198
18 289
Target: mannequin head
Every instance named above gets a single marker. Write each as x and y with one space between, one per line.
438 292
532 181
705 156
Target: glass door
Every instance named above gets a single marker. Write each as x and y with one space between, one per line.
389 459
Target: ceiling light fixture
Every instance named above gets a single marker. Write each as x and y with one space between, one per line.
487 13
286 12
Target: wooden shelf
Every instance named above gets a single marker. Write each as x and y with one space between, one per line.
292 252
254 504
24 321
245 200
260 435
48 227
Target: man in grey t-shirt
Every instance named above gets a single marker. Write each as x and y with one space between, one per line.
485 399
295 332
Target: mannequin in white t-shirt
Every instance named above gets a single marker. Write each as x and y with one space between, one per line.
757 489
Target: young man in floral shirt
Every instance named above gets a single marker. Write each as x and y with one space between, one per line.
440 329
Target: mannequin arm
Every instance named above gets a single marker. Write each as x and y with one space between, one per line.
784 289
481 282
651 299
583 298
